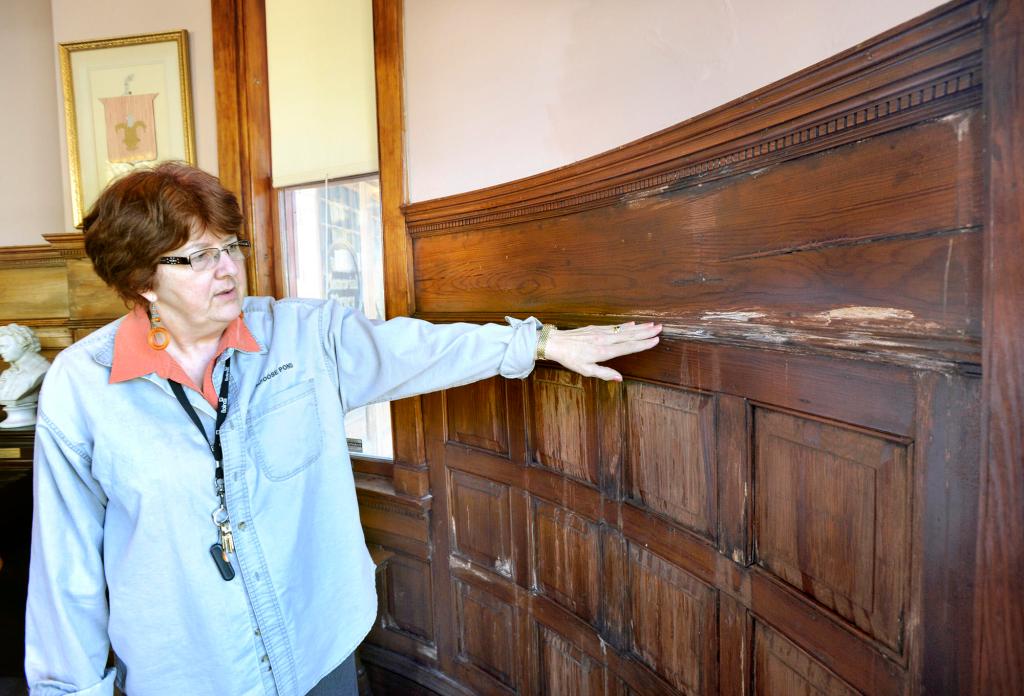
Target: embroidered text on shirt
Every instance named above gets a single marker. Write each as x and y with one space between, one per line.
278 370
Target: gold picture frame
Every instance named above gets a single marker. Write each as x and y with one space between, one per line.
127 103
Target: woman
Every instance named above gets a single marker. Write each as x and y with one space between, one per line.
191 460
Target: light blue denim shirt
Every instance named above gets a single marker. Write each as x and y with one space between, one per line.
123 490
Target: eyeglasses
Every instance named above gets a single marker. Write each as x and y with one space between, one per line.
205 259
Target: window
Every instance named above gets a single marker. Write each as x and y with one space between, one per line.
331 249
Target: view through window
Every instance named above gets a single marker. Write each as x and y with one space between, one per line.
332 249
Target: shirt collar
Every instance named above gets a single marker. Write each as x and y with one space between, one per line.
133 357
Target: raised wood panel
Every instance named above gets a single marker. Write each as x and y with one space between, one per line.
567 559
562 434
782 668
564 669
481 530
407 595
33 293
486 633
672 466
832 516
674 623
88 296
477 415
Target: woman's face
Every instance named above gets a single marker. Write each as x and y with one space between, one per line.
199 302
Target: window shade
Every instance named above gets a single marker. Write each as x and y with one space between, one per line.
323 115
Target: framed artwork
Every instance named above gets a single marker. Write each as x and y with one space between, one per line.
127 104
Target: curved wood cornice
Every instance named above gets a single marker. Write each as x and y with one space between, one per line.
910 74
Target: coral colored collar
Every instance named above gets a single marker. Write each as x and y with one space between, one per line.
134 358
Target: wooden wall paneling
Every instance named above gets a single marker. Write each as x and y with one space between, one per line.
487 638
393 673
53 289
39 292
946 459
999 609
611 438
834 645
872 395
816 254
243 128
614 574
409 605
562 433
568 560
477 415
625 673
672 465
481 525
780 667
819 273
674 623
832 518
89 298
564 669
440 535
735 646
735 486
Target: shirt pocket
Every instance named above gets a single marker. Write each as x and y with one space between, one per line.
285 433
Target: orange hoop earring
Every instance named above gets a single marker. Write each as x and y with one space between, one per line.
158 338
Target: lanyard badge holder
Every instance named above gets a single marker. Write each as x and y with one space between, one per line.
225 545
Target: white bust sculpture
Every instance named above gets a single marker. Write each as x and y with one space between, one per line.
19 384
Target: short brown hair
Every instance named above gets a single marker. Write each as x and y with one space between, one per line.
144 214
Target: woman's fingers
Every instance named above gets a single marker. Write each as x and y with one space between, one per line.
582 349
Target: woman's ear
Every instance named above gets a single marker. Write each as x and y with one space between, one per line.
149 295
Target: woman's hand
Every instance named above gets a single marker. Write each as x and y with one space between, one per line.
581 349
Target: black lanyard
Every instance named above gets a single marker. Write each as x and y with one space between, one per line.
220 550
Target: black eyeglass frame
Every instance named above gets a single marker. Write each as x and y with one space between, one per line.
242 244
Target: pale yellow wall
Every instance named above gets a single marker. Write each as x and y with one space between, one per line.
30 174
499 90
34 189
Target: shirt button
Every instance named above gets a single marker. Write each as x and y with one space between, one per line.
257 631
241 525
265 658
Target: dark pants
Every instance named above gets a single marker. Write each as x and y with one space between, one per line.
340 682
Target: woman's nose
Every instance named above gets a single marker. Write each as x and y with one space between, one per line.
228 265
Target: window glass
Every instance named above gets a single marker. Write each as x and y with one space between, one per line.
331 248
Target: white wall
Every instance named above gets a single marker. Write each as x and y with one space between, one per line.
499 90
35 197
30 174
